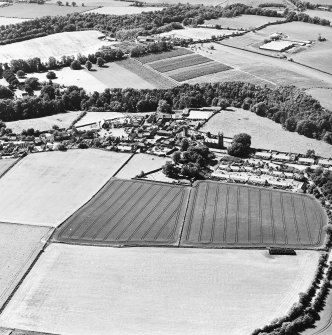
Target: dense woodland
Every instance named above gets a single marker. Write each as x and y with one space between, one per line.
287 105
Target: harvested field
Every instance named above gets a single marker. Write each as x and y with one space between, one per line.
5 21
164 55
130 213
56 45
5 164
323 95
84 290
32 10
242 22
197 71
124 10
45 188
265 133
221 214
179 62
19 246
43 123
93 117
141 162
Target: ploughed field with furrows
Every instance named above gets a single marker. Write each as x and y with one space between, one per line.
222 214
128 212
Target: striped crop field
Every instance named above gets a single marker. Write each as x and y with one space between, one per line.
130 213
222 214
170 64
195 71
164 55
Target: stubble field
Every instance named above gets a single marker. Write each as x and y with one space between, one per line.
128 212
222 214
45 188
82 290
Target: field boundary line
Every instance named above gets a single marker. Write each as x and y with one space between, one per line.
185 216
123 165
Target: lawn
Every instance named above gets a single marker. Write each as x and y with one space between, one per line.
56 45
141 162
110 10
242 22
6 164
179 62
83 290
265 133
45 188
323 96
130 213
95 117
191 72
164 55
221 214
32 10
43 123
19 246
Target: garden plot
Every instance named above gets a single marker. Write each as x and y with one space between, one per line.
221 214
96 117
6 164
191 72
179 62
128 212
265 133
164 55
56 45
19 246
43 123
139 163
45 188
83 290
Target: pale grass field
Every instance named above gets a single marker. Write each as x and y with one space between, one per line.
323 95
5 164
265 133
45 188
87 290
141 162
19 246
123 10
43 123
56 45
4 21
91 117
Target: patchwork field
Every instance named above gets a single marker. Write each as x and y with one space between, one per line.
110 10
19 246
92 117
56 45
43 123
265 133
222 214
179 62
82 290
5 164
141 162
242 22
32 10
45 188
164 55
130 213
195 71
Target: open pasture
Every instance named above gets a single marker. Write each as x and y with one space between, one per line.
45 188
5 21
191 72
33 10
56 45
6 164
323 14
130 213
110 10
265 133
221 214
19 246
43 123
164 55
179 62
84 290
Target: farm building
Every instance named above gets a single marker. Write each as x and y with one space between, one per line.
263 155
325 162
277 46
216 143
307 161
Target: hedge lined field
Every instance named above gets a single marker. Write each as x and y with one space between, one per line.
191 72
179 62
128 212
222 214
164 55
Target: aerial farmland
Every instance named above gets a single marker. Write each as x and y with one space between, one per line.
165 167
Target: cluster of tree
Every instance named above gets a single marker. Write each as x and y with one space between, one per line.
323 179
302 17
286 105
240 146
10 77
3 129
272 4
141 50
5 93
147 22
303 5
